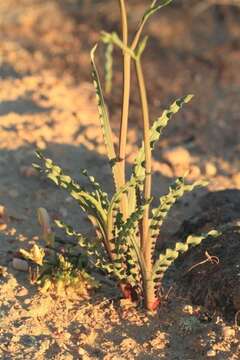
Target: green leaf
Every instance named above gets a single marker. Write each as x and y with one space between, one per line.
104 120
170 255
155 6
87 202
102 109
98 193
129 238
94 249
108 67
130 225
113 38
114 205
178 189
156 131
141 47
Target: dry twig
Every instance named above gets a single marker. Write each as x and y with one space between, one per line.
211 259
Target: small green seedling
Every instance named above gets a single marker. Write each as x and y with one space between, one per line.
55 267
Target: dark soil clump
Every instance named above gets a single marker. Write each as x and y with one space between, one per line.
215 286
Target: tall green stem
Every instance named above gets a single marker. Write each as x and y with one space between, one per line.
145 245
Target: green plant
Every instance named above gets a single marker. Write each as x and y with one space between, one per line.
54 266
127 227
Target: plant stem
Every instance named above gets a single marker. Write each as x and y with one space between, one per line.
125 104
137 36
145 245
126 92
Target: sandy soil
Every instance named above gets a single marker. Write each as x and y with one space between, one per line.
47 101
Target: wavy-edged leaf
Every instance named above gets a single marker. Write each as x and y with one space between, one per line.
155 6
87 202
141 47
102 108
156 131
113 38
98 193
108 68
114 205
176 191
170 255
35 254
128 236
95 250
104 120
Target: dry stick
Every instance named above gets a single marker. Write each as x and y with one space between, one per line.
146 245
126 97
148 167
137 35
210 258
125 104
236 319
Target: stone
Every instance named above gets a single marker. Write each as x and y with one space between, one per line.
163 168
210 169
20 264
194 173
177 156
228 332
3 218
236 179
211 353
27 301
41 145
22 292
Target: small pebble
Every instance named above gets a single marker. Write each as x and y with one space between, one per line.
3 226
228 332
3 218
22 292
236 179
194 173
20 264
188 309
41 145
210 169
211 353
27 301
177 156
